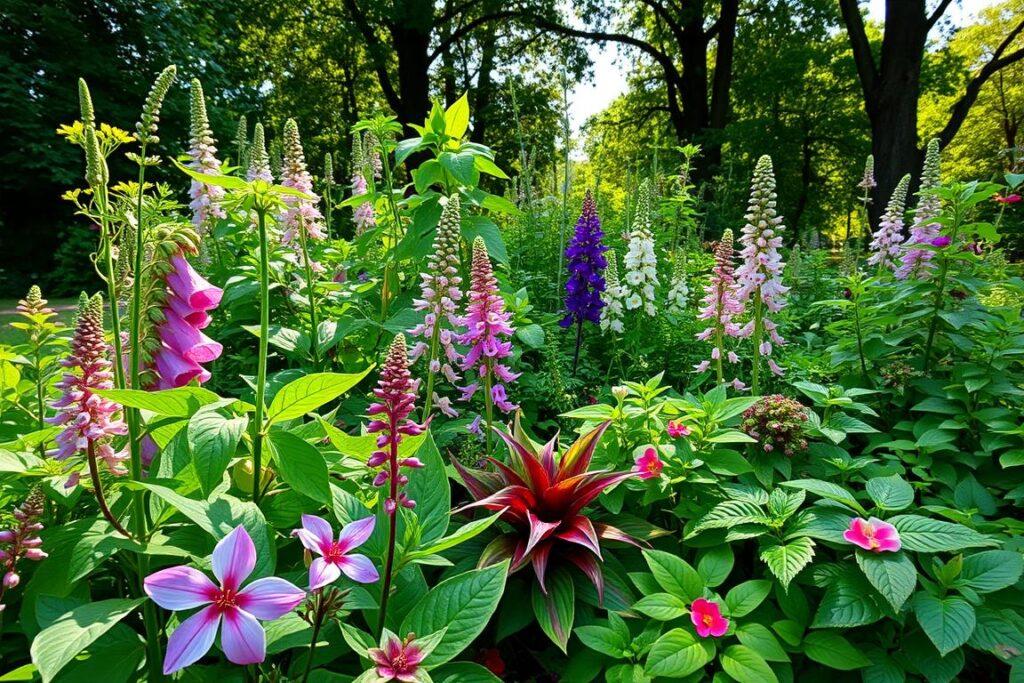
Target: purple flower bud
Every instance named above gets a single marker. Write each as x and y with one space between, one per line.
11 580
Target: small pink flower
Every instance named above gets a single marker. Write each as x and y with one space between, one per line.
708 619
677 429
242 638
398 659
873 534
318 537
649 465
1009 199
941 241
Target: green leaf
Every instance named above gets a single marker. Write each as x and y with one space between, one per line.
786 560
729 514
59 643
308 393
892 574
302 465
675 575
487 229
827 489
463 672
284 338
182 402
678 654
461 535
890 493
661 606
456 118
430 489
847 603
747 596
762 641
991 570
746 666
556 609
925 535
602 639
948 622
531 335
463 604
832 650
212 440
715 565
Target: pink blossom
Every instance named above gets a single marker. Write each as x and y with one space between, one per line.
873 534
184 347
1009 199
242 638
649 465
708 619
887 240
720 303
398 659
317 536
300 212
677 429
206 198
918 262
941 241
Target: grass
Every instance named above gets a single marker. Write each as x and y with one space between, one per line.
8 314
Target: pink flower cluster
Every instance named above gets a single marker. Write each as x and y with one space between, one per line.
487 322
720 305
89 420
21 541
259 161
300 212
760 275
205 204
440 290
888 239
917 262
185 346
396 394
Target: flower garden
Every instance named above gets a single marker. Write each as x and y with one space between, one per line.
326 425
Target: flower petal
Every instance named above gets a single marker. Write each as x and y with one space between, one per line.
191 640
358 568
322 573
234 558
356 533
318 529
242 638
179 588
270 597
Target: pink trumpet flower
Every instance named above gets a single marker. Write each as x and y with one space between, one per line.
318 537
185 347
708 619
242 638
648 465
874 535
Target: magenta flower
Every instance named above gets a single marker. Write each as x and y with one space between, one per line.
648 465
941 241
873 534
917 262
708 619
720 306
398 660
487 332
21 540
242 638
184 347
677 429
318 537
1009 199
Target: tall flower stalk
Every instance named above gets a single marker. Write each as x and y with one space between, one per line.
206 198
259 160
611 312
440 292
259 433
328 191
396 399
759 277
641 263
867 184
888 239
917 263
488 336
21 540
720 307
585 285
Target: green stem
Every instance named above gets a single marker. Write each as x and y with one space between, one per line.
389 563
937 308
758 329
97 487
428 400
314 337
316 633
261 369
720 345
328 208
488 404
860 339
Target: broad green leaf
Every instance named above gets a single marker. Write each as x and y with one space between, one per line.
892 574
301 465
786 560
212 440
463 604
181 402
556 609
747 596
675 575
729 514
991 570
715 565
925 535
762 641
678 654
746 666
832 650
461 535
430 488
847 603
602 639
60 642
827 489
890 493
948 622
661 606
456 118
308 393
284 338
463 672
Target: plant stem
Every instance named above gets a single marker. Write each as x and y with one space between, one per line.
934 326
314 332
860 338
94 474
755 373
389 563
579 343
428 400
261 369
316 633
720 344
488 403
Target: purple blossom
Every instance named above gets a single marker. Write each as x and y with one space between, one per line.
259 160
21 540
888 239
317 537
720 306
918 262
586 262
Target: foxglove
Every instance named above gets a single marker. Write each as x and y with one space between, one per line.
184 347
641 264
205 204
613 309
720 307
679 292
918 262
886 245
259 161
300 212
759 277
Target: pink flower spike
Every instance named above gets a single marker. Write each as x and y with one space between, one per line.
242 639
708 619
873 534
649 465
317 536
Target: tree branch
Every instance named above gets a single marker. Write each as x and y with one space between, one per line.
376 50
862 57
466 29
937 14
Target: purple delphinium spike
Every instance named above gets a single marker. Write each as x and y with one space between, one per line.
720 306
918 262
238 609
586 262
335 558
887 241
440 292
205 204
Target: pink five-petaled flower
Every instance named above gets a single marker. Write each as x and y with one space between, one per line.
873 534
648 464
243 639
318 537
398 659
708 619
677 429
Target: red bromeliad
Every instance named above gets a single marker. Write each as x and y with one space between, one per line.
543 500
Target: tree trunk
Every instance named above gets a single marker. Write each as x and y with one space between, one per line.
484 85
410 39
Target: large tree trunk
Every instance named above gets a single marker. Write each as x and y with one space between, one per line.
484 85
411 41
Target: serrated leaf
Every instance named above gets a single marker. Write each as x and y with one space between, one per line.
731 513
786 560
212 440
890 493
925 535
892 574
948 622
